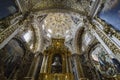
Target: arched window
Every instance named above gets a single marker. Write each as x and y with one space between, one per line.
28 37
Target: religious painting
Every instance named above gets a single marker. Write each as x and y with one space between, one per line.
103 62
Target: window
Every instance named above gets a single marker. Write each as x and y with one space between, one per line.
111 13
7 7
27 36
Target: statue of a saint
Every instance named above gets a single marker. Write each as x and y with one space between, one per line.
56 65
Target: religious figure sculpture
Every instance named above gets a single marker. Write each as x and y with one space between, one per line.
56 65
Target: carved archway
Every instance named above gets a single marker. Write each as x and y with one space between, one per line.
78 40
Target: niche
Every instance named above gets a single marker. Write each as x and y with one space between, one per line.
56 64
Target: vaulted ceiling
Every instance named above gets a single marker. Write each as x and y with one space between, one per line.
73 5
62 25
58 25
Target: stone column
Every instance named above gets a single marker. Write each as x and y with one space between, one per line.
67 68
34 66
70 65
43 64
78 68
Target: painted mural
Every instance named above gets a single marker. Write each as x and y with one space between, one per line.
107 66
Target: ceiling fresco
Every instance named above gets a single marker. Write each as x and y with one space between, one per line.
58 24
61 25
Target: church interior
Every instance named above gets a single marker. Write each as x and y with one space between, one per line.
59 39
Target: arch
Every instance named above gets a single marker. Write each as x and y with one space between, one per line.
78 40
56 66
38 36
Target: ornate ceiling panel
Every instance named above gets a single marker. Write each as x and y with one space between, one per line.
61 25
58 25
59 4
